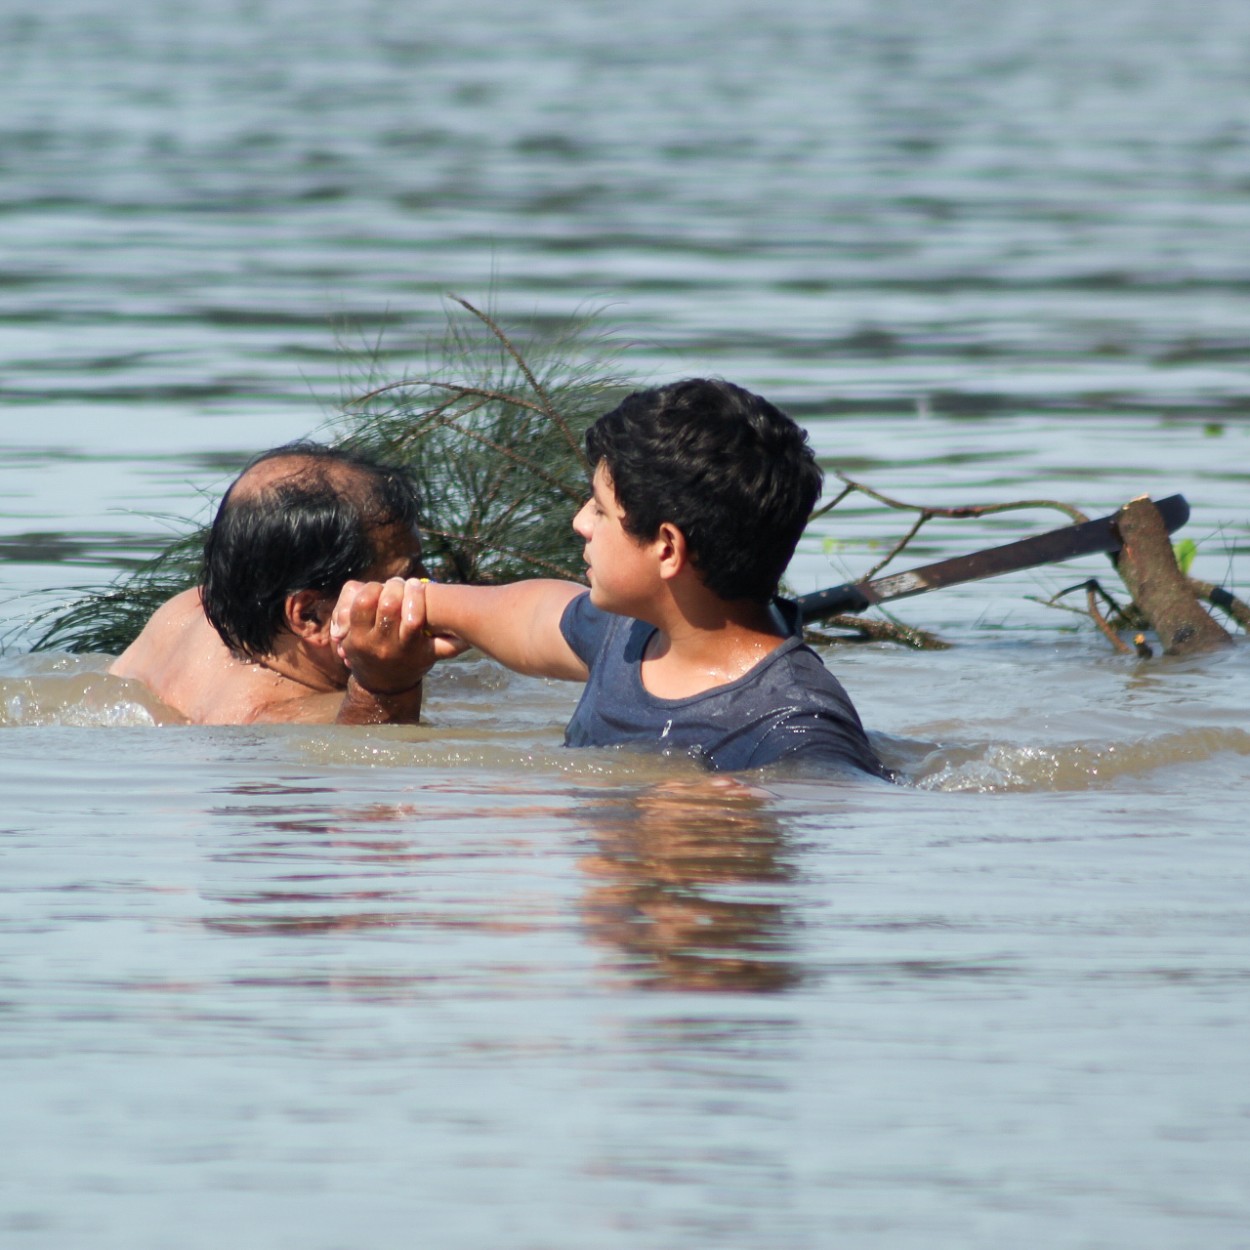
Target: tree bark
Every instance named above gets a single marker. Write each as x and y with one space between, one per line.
1159 588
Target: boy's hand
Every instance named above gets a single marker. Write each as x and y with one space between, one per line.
379 630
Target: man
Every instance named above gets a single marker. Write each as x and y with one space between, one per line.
701 491
252 642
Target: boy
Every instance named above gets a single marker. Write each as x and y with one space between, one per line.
701 491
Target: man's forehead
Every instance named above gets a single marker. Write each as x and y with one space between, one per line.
397 535
396 551
405 531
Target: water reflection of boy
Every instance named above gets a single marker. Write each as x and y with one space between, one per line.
688 887
252 642
701 491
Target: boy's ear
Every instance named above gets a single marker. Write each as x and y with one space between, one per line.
670 545
308 614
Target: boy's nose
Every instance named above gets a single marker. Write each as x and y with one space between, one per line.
581 524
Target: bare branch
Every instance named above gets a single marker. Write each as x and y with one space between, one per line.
833 503
1091 604
898 546
967 510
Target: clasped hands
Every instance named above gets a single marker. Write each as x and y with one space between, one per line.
381 632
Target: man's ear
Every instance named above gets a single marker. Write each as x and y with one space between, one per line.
308 615
670 548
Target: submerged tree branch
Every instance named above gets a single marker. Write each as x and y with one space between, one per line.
869 629
1220 598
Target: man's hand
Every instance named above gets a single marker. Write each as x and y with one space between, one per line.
380 632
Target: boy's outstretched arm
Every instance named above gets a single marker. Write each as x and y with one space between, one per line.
381 629
518 625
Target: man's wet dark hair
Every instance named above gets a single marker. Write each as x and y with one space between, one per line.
731 471
312 526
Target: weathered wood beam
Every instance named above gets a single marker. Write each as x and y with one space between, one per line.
1148 566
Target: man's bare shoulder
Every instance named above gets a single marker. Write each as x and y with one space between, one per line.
181 658
172 632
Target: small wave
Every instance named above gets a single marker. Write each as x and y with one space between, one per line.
1007 767
76 696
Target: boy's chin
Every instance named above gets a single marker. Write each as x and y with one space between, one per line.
605 602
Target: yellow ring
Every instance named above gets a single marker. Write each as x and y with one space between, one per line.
426 630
